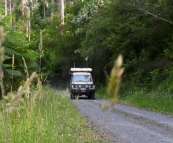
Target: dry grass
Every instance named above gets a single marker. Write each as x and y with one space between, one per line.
113 84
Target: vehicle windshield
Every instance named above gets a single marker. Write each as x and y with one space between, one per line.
82 78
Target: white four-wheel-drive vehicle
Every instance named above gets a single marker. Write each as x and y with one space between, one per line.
81 83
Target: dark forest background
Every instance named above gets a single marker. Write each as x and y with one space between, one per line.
96 30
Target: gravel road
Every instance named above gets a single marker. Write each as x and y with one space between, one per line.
126 124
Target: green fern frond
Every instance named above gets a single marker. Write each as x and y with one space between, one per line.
6 66
6 57
9 51
13 72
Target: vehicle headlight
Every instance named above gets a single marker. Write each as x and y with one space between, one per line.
76 86
86 86
79 86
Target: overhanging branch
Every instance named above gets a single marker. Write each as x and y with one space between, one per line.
156 16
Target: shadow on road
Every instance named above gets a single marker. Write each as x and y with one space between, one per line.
84 97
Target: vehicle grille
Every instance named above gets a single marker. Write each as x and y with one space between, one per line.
83 86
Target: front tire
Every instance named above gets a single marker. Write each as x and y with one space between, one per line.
91 95
72 96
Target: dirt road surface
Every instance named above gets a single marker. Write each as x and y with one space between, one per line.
126 124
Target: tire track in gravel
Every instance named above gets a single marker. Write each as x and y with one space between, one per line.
121 126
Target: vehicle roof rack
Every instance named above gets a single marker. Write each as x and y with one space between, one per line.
80 70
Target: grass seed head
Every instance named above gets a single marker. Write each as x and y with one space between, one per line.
13 99
2 35
2 39
114 81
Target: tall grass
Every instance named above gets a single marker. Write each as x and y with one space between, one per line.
51 119
152 100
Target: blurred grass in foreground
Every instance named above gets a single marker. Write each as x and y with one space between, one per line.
51 119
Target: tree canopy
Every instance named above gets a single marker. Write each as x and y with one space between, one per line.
99 30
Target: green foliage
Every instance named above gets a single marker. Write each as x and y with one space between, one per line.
16 46
86 12
48 119
126 27
100 30
101 92
154 101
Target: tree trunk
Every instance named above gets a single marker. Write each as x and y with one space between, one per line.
52 10
58 5
62 16
5 4
10 12
44 9
28 23
13 11
23 7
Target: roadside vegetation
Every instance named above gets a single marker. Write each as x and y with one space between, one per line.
47 118
150 100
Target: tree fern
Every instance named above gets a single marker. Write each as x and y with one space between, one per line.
10 51
13 72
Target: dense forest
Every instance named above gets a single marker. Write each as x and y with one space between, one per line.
93 33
